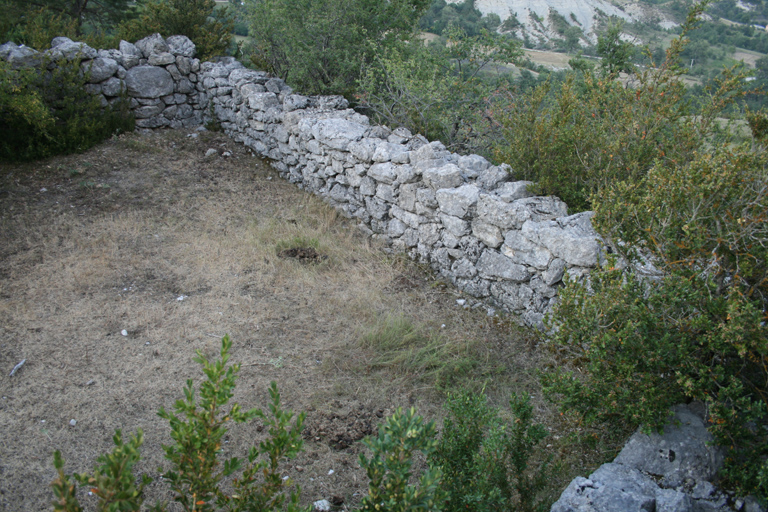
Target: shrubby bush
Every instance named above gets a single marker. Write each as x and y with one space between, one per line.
44 112
439 91
478 463
211 28
321 46
198 426
574 138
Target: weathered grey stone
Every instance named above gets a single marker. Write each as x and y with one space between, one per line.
70 50
521 250
147 111
386 192
489 234
181 46
388 152
432 151
612 487
426 197
454 225
183 64
670 500
113 87
99 69
396 228
148 82
513 190
338 133
130 55
569 239
20 56
410 219
554 273
429 234
473 165
491 177
678 453
447 176
274 85
161 59
260 100
492 210
363 149
383 172
457 201
295 102
152 44
376 207
492 264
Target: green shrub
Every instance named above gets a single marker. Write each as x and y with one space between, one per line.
320 46
592 130
697 330
485 461
390 467
211 28
46 112
439 92
197 428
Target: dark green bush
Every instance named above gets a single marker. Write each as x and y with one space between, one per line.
47 112
697 328
574 138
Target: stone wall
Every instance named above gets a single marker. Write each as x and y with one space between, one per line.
463 216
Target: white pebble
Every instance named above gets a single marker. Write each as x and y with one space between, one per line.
330 471
124 332
72 423
461 302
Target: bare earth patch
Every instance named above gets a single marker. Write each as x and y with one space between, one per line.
118 264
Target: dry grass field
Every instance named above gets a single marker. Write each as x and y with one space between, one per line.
118 264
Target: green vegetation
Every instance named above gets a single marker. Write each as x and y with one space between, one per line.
479 462
44 112
320 46
209 27
441 16
198 426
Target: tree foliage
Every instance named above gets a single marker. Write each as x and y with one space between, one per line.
208 26
321 46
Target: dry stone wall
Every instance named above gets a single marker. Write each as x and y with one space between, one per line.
466 218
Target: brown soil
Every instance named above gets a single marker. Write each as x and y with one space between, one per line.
118 264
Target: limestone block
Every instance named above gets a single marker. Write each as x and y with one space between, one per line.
130 54
338 133
612 487
181 46
473 165
396 228
152 44
457 201
410 219
242 76
513 190
447 176
148 82
368 186
571 238
383 172
388 152
493 264
679 452
99 69
554 273
432 151
489 234
363 149
426 197
293 102
376 207
386 192
491 177
113 87
67 49
260 100
429 234
454 225
161 59
521 250
463 268
407 199
475 287
406 174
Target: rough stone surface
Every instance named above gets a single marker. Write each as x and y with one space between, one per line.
148 82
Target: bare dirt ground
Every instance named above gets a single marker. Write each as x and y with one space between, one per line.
146 235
